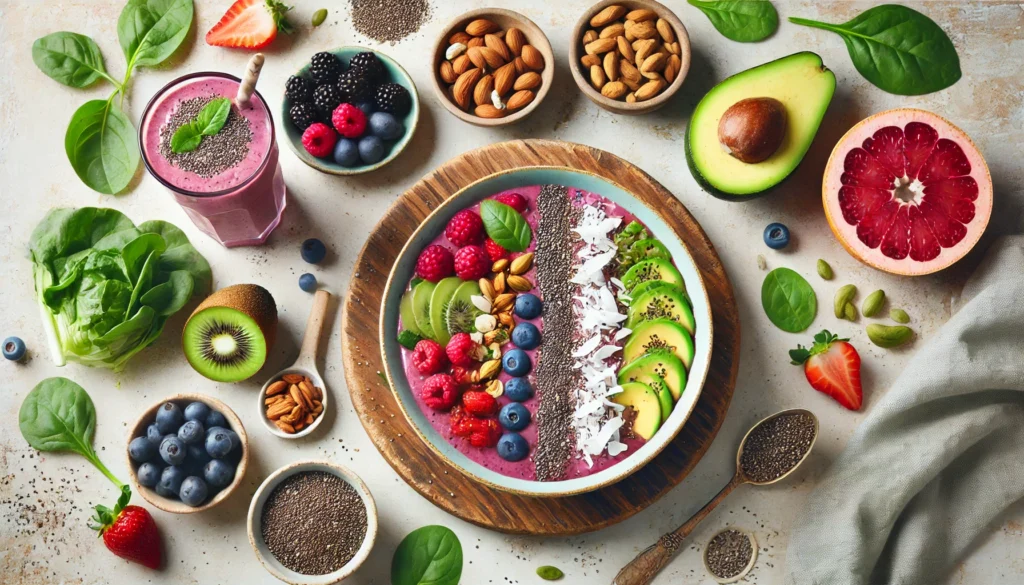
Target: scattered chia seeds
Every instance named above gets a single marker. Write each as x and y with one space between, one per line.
777 446
728 554
314 522
216 153
389 21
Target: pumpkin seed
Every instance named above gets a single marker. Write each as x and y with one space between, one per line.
824 270
888 336
899 316
844 296
873 304
319 17
549 573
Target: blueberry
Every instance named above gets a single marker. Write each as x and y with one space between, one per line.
516 363
218 442
215 419
172 450
313 251
346 153
526 336
371 149
307 282
193 491
528 306
514 416
191 431
518 389
367 107
14 348
170 481
169 418
218 474
196 455
148 474
385 126
141 449
154 436
513 447
197 411
776 236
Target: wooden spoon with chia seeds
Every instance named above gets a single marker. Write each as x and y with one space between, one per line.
770 451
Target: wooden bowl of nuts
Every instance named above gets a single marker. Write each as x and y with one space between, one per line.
492 67
629 56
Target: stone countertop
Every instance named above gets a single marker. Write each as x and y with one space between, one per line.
45 499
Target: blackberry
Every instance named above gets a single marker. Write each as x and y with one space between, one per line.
324 67
303 115
369 65
354 87
299 90
327 97
394 99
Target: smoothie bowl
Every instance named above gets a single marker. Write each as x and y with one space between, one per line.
546 332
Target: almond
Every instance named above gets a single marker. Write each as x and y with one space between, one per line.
521 264
672 68
641 14
297 397
653 64
488 111
499 284
521 66
600 46
498 46
285 427
532 57
590 36
665 30
520 99
461 64
518 283
483 58
309 419
506 320
273 400
459 37
448 74
612 30
590 60
608 15
486 289
631 98
629 72
643 50
528 80
502 302
475 42
280 409
482 91
292 378
597 77
505 78
629 31
650 89
499 266
480 27
490 369
277 387
515 39
644 30
614 90
308 392
625 49
463 88
672 48
611 65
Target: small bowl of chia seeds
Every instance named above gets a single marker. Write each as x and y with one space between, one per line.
730 555
312 523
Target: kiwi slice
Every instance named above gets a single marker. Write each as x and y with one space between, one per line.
228 336
461 313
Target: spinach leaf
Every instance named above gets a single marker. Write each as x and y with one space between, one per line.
151 30
505 225
213 116
70 58
898 49
431 555
180 255
185 139
788 300
745 21
102 146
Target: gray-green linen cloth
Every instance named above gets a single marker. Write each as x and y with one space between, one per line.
941 456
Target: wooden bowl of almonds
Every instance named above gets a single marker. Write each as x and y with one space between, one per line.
629 57
492 67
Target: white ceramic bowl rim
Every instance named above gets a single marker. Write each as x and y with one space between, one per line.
312 375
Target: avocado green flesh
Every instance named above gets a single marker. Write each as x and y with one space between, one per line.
666 303
659 335
645 403
408 314
803 85
661 364
653 269
439 299
421 307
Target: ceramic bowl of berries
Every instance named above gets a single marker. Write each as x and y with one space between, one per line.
546 332
187 453
349 111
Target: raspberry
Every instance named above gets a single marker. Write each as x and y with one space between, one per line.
479 403
349 120
319 140
462 375
513 200
486 433
435 262
461 422
494 250
472 263
429 357
440 392
460 350
465 228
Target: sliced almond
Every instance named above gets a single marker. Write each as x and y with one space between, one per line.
515 39
612 30
521 264
611 65
520 99
589 61
494 43
482 92
608 15
528 80
277 388
480 27
665 30
613 90
488 111
598 77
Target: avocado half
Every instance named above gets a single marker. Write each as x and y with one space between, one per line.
804 86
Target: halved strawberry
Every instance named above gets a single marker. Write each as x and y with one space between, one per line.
250 24
832 366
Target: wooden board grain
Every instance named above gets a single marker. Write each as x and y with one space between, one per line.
445 486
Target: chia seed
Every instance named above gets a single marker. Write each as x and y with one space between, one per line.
314 522
728 554
774 448
215 154
389 21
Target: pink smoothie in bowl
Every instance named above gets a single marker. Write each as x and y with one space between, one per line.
582 418
231 186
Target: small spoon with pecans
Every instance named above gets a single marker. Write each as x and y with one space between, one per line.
769 452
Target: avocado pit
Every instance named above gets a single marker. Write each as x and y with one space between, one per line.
752 129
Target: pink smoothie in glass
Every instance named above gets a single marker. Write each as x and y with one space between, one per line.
237 205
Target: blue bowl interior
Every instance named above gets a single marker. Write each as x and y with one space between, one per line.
397 75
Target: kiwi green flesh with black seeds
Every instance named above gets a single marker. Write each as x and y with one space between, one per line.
461 313
228 336
439 301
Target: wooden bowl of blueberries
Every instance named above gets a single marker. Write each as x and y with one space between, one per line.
187 453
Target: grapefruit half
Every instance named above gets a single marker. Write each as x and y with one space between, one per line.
907 192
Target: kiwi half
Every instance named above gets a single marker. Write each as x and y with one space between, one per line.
228 336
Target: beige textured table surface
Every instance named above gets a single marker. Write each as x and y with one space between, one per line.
45 500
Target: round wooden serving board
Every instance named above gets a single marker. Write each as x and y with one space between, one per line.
445 486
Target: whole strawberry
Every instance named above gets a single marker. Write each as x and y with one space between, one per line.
465 228
832 366
129 531
472 263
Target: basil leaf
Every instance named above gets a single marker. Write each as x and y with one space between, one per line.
431 555
788 300
505 225
69 58
151 30
186 139
212 117
898 49
745 21
102 146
